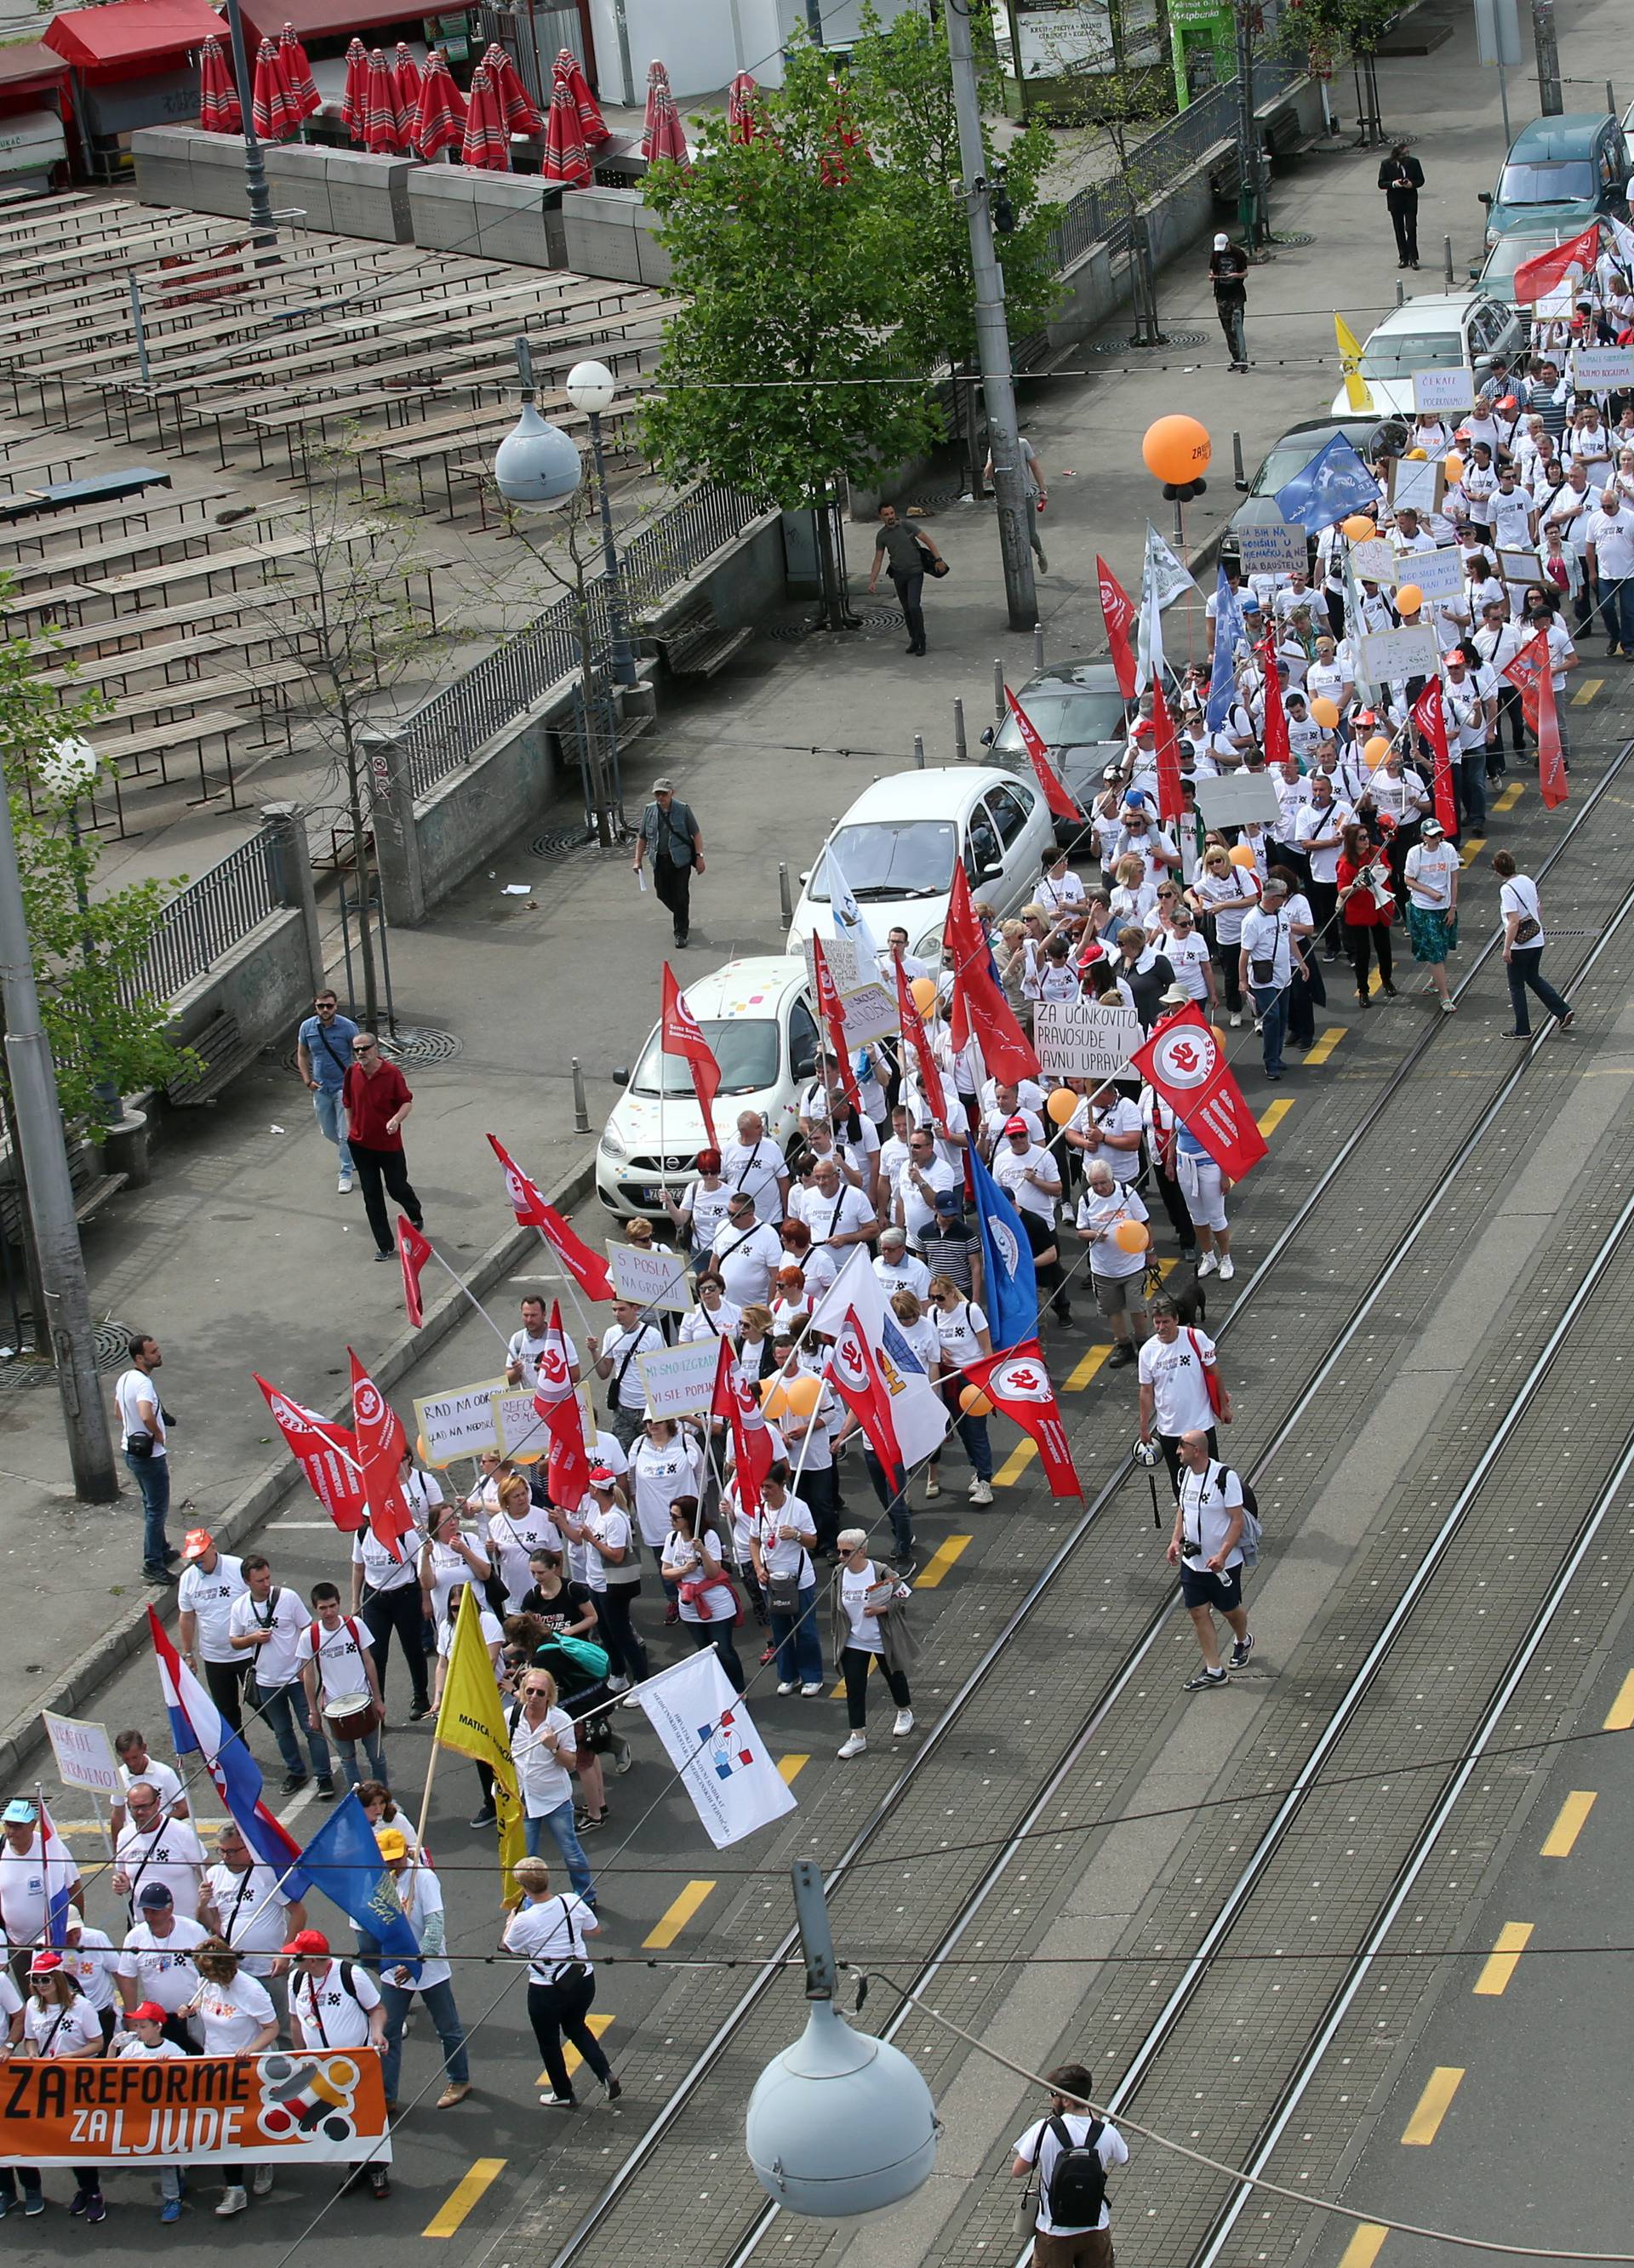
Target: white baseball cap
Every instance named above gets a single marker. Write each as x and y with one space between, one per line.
1220 243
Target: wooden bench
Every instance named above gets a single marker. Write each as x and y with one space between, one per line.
92 1187
695 645
166 741
223 1052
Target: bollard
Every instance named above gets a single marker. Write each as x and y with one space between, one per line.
1238 473
1038 649
581 1108
919 750
783 897
1447 257
998 691
959 729
1400 295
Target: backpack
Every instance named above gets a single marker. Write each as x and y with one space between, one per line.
585 1652
1253 1534
1078 2181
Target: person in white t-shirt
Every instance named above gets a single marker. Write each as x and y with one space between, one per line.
1065 2241
265 1625
922 1173
612 1573
211 1581
143 2039
1430 871
337 1663
1117 1269
543 1747
235 2016
1206 1546
551 1928
59 2022
961 1335
245 1905
136 1763
1107 1124
153 1849
525 1346
1174 1397
1524 940
387 1596
420 1894
756 1168
156 1960
897 1268
1026 1172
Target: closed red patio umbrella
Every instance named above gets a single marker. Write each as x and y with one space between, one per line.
383 131
406 79
487 143
354 102
741 97
439 121
297 73
663 136
566 159
595 127
272 106
220 112
516 105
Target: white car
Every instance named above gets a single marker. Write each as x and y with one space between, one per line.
896 845
1437 332
756 1015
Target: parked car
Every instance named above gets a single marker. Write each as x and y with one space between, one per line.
1565 171
756 1015
1370 437
897 843
1497 278
1079 714
1437 332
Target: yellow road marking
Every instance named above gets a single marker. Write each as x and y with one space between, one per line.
947 1552
1505 1958
1016 1462
1326 1042
1569 1825
1270 1119
1476 843
1087 1368
791 1767
679 1915
1364 2247
464 2194
1433 2104
570 2055
1620 1716
1586 691
1511 796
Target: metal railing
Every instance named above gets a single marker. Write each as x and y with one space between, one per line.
208 918
447 730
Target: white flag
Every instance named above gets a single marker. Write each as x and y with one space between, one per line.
1170 579
710 1738
918 1413
849 921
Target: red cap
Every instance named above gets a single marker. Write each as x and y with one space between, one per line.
308 1940
1017 1125
45 1964
150 2012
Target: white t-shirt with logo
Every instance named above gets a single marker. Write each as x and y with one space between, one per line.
170 1853
209 1599
254 1912
63 2031
161 1968
330 2016
1180 1400
339 1653
1518 896
1429 869
1208 1502
1108 1257
1010 1169
233 2016
285 1614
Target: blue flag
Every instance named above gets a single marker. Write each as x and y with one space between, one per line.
1006 1262
343 1861
1335 482
1227 630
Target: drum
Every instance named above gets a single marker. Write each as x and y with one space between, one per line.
350 1716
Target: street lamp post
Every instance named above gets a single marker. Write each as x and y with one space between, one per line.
254 164
590 387
66 1323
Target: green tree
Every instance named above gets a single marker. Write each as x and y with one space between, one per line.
789 364
90 950
1329 34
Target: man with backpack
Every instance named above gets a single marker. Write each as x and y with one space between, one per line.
1064 2159
1216 1534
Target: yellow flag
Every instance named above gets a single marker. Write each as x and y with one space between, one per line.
471 1719
1356 391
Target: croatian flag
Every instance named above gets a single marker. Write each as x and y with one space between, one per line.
198 1728
61 1874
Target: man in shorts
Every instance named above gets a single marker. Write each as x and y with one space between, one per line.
1117 1274
1207 1548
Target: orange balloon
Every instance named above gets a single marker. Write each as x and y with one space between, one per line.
923 993
974 1402
1176 450
1374 754
1240 855
1220 1036
1325 712
1358 527
789 1397
1409 598
420 1449
1131 1236
1454 465
1061 1106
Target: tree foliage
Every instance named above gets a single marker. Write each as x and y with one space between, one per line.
1333 30
86 953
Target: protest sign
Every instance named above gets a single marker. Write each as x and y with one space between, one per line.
463 1424
320 2106
656 1278
1438 390
1081 1039
1272 546
83 1752
1438 574
1412 652
680 1382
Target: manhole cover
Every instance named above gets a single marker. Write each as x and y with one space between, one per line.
19 1368
786 633
556 840
935 499
1297 236
1130 346
110 1340
424 1043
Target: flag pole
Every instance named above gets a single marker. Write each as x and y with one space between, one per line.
568 1283
425 1799
470 1293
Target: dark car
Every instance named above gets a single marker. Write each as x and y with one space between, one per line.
1370 437
1079 714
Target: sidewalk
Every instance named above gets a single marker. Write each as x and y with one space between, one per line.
241 1256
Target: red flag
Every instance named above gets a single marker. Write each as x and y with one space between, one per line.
1118 615
914 1032
1533 671
1016 1382
587 1269
325 1452
979 1006
1186 1067
413 1251
734 1399
1534 277
382 1446
1170 807
679 1035
1429 718
1056 794
567 1467
855 1376
1276 715
833 1018
1524 671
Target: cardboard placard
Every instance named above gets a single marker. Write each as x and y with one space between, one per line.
1236 798
870 1014
1273 548
1601 370
522 1432
652 1279
1436 390
1438 574
83 1752
1388 654
680 1382
1081 1039
461 1423
1374 562
1420 481
850 968
1517 568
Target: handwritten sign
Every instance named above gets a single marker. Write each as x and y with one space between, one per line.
680 1382
1080 1039
1273 548
870 1013
463 1424
1374 561
1236 798
1601 370
849 968
1438 574
1435 390
1387 654
83 1752
656 1278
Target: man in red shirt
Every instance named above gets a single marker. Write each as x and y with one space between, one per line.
378 1100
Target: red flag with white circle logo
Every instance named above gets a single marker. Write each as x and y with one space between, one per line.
1016 1382
567 1465
588 1269
679 1035
325 1452
382 1445
1186 1067
855 1376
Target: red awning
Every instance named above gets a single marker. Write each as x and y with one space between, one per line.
131 32
27 68
327 19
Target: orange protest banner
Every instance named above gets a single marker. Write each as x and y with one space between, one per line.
326 2106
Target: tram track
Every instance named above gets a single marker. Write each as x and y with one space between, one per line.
1116 1687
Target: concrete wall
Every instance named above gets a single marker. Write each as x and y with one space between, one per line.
471 814
263 983
346 191
514 216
